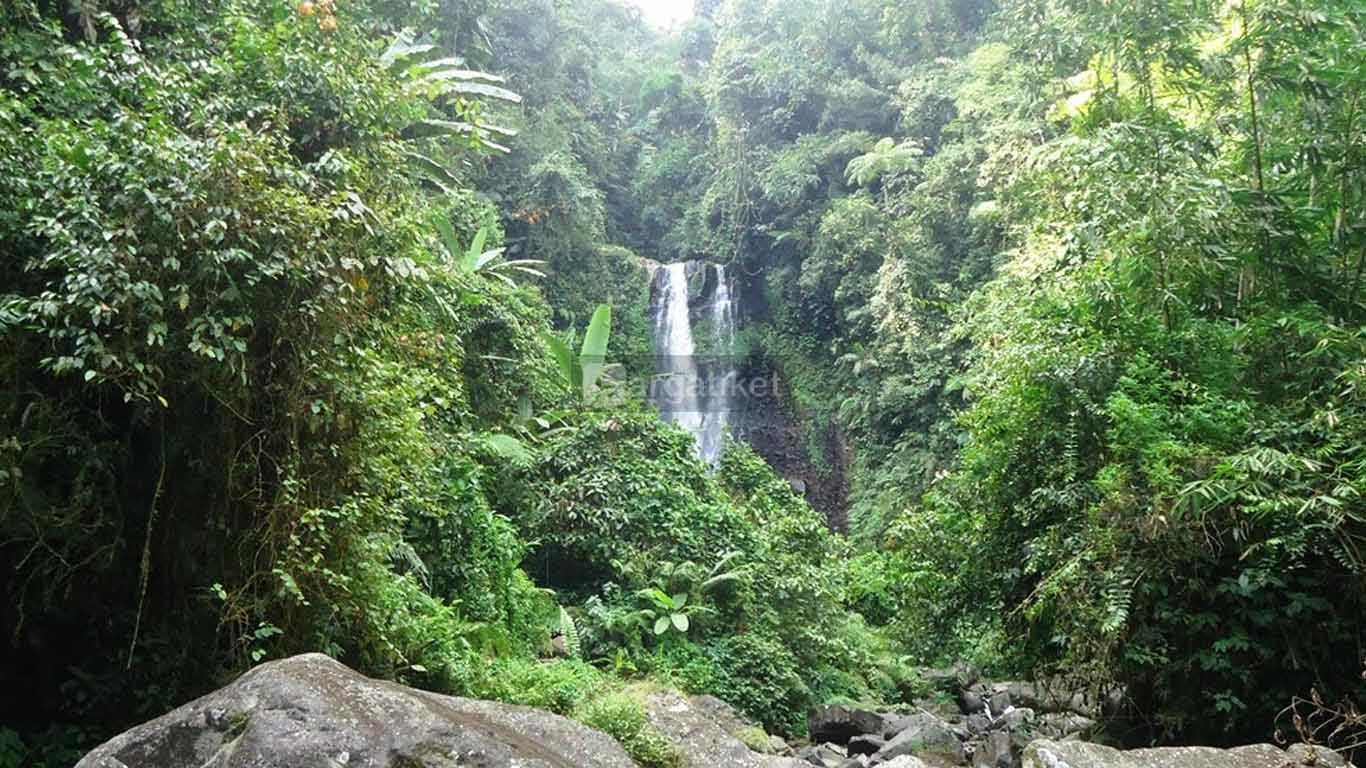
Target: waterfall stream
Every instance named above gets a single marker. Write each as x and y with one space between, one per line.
696 393
676 389
720 371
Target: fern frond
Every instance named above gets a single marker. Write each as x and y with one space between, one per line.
509 449
570 633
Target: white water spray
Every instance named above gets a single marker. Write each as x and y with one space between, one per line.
696 397
720 371
676 385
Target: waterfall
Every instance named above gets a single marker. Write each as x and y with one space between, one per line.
676 390
696 397
720 371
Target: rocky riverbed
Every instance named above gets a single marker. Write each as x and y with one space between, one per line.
983 724
310 711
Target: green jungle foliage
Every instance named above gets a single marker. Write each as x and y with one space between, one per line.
1081 286
305 349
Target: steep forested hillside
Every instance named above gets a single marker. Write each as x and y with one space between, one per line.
304 310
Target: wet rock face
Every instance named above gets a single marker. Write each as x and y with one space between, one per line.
770 420
310 711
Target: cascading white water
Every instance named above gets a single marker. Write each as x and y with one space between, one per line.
720 371
677 383
696 397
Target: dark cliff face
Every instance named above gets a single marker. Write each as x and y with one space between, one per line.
701 287
815 460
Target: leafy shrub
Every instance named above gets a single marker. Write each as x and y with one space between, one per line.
761 677
688 666
56 746
11 749
559 686
622 717
578 690
754 737
622 487
628 510
870 587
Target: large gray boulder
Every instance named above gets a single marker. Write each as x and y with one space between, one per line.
994 752
691 724
721 713
310 711
1080 754
973 699
866 744
1065 725
925 737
